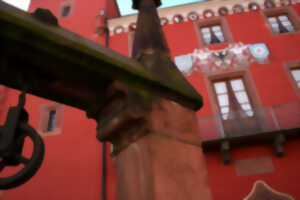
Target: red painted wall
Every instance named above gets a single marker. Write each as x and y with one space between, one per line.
73 159
72 163
272 85
82 16
225 184
72 166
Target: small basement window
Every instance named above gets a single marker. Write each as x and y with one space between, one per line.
50 119
232 97
66 10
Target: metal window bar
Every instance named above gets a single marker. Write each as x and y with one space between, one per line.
51 120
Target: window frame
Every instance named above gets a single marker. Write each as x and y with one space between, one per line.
288 68
288 11
63 5
252 93
221 21
249 84
228 80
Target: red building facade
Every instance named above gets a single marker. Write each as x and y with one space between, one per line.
243 57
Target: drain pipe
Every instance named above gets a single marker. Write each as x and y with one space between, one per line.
104 158
103 189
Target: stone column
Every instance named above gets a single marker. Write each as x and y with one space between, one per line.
166 163
157 145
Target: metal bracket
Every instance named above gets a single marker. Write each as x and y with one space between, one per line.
225 152
278 144
12 139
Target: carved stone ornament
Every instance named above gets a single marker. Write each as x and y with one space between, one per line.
236 55
132 27
208 14
193 16
261 190
253 6
238 8
119 30
223 11
177 18
259 51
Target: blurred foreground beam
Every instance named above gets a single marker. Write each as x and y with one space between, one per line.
59 65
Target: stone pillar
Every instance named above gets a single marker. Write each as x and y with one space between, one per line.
156 147
156 142
167 163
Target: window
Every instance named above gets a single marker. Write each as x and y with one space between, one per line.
65 10
296 75
213 31
237 105
212 35
292 69
281 24
50 119
233 99
282 20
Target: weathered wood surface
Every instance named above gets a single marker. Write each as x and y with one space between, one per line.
57 64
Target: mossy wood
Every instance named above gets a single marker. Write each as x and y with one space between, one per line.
135 3
57 64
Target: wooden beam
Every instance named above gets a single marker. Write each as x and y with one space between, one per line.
57 64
